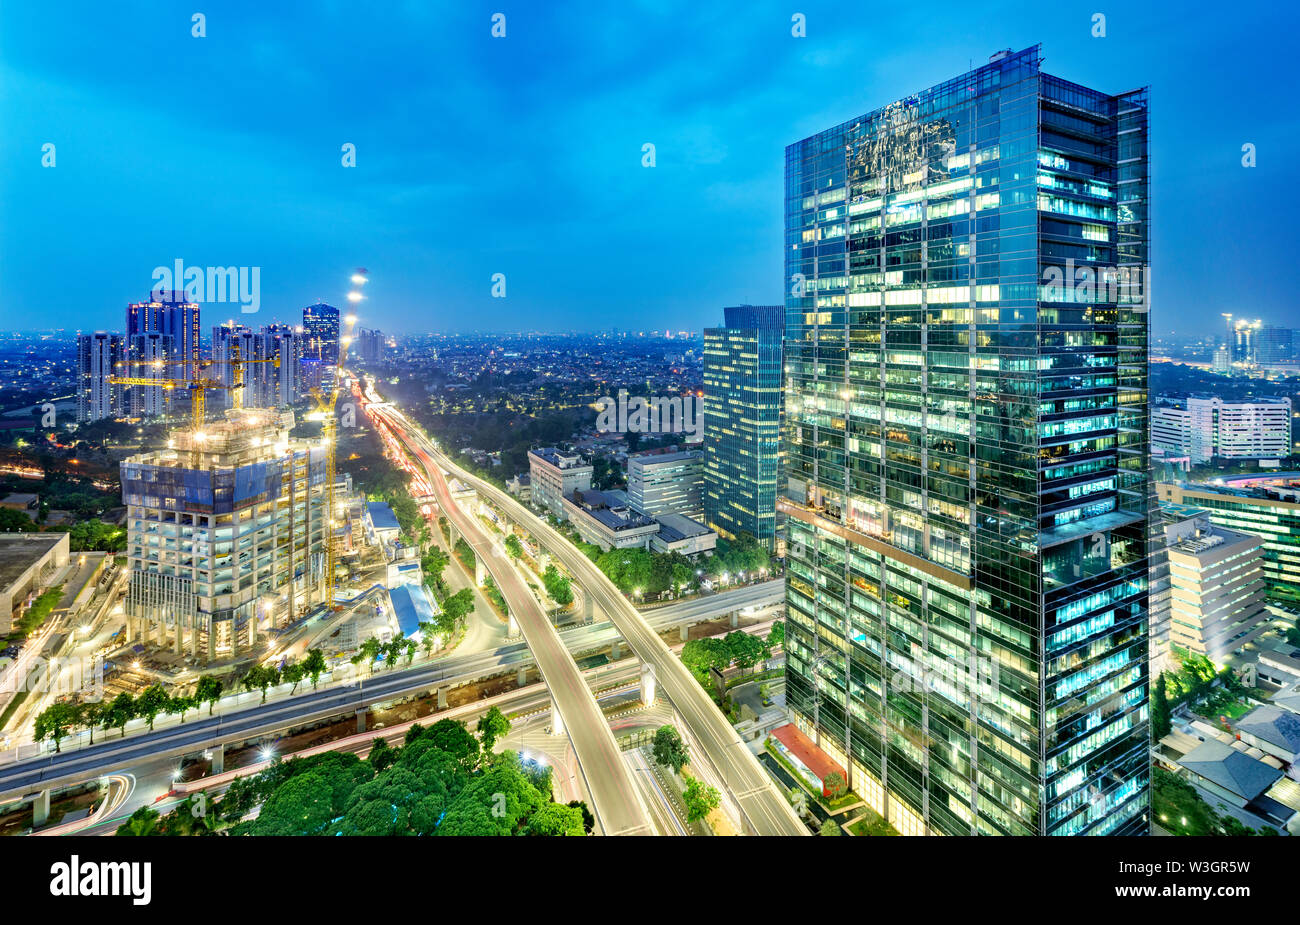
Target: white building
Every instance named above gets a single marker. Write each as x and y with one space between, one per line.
1203 427
99 356
554 475
1216 588
667 483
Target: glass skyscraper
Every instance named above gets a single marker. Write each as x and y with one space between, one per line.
967 453
320 323
742 421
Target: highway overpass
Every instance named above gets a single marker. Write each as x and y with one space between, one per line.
762 808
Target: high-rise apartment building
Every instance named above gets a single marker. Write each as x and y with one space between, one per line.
966 443
226 533
742 421
172 314
1203 427
152 356
99 356
271 364
320 355
666 483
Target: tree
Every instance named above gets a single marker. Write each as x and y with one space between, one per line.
382 755
89 713
181 704
492 726
142 822
119 712
776 635
588 820
557 586
54 722
514 548
293 672
153 701
829 827
834 786
745 650
1161 715
455 611
555 819
260 676
314 665
427 637
669 750
208 691
700 799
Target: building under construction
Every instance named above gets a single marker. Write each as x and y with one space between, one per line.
226 533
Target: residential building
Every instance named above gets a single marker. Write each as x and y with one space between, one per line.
99 356
1205 427
666 483
226 532
742 421
554 475
152 356
966 454
172 314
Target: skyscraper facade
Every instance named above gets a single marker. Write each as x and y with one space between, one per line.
320 323
966 454
152 356
171 314
99 356
742 421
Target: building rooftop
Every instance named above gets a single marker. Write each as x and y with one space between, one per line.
18 551
610 508
655 458
676 527
382 516
1233 770
1273 725
560 459
411 607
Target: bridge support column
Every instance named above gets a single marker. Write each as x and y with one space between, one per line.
613 651
522 677
453 535
543 560
735 619
41 809
480 572
361 720
588 607
647 683
684 633
442 698
218 759
512 626
557 721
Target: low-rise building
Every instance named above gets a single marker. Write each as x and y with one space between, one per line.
1275 731
554 475
667 483
606 519
1204 427
683 535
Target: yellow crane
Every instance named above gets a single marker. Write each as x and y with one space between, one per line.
326 402
196 387
237 364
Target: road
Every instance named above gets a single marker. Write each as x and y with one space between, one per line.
762 808
616 799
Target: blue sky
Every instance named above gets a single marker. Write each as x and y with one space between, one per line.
522 155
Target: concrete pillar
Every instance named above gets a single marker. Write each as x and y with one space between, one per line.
41 809
557 721
588 606
735 619
480 572
647 683
684 633
218 759
513 628
442 698
613 651
522 677
361 720
543 560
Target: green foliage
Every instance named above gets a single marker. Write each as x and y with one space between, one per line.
1161 715
830 827
514 548
834 786
54 722
700 799
143 822
555 819
314 665
669 750
208 691
492 726
95 535
558 587
153 701
35 615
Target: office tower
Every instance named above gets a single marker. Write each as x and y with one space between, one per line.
99 356
152 356
666 483
1267 508
172 314
966 454
225 533
228 342
1243 340
742 421
1204 427
555 474
320 356
1216 590
1275 346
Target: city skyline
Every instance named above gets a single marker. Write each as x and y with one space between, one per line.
252 180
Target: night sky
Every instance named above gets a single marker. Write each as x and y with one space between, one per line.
523 155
